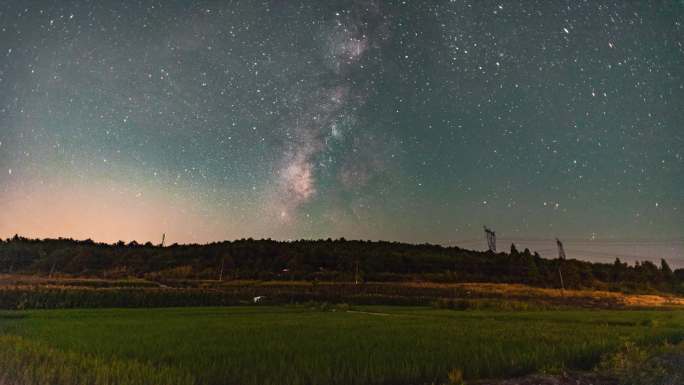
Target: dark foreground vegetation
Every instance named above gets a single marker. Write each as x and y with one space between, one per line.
326 260
31 292
310 344
323 317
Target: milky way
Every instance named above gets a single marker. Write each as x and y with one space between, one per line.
397 120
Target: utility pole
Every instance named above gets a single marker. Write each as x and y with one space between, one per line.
163 239
52 269
491 239
561 258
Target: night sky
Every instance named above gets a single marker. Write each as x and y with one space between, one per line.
412 121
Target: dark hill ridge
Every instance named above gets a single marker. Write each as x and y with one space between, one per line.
325 260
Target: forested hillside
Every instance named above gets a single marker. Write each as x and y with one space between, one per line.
326 260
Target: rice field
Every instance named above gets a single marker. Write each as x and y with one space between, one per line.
295 345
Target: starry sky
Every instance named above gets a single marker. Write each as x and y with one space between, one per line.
407 120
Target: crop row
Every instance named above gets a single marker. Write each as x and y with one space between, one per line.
53 297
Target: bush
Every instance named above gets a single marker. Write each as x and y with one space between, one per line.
487 304
634 365
456 377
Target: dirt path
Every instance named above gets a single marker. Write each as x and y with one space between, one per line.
566 379
365 312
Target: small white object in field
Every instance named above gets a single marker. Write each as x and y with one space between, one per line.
258 299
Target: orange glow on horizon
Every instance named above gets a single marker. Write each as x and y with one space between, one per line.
103 213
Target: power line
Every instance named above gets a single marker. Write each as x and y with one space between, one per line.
600 241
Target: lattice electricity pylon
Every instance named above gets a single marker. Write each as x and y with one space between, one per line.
491 239
561 250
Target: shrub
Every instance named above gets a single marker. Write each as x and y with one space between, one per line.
634 365
456 377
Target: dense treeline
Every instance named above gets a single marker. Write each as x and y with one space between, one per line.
325 260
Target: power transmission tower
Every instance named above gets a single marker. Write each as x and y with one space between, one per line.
491 239
561 250
561 258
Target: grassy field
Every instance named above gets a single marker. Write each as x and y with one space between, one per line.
20 292
300 345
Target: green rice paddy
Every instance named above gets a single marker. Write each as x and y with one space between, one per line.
300 345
